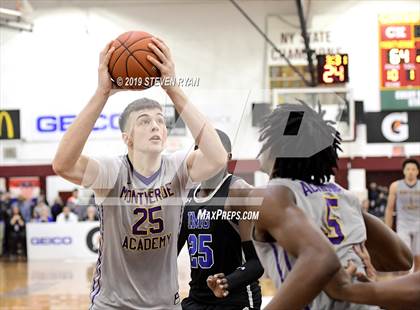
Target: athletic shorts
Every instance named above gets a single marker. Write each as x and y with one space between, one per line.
411 237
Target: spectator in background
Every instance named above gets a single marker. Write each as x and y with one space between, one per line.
79 210
16 238
67 216
44 216
74 198
373 193
5 214
26 209
39 209
91 214
56 208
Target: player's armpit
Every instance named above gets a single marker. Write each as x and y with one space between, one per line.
296 234
387 251
238 197
200 168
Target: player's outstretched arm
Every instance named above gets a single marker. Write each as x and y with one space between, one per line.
211 156
399 293
387 251
68 161
390 206
289 226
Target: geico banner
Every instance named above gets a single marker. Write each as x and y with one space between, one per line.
51 125
62 240
393 127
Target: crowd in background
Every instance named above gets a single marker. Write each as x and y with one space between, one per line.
16 212
377 200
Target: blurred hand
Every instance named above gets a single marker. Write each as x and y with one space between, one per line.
218 284
164 62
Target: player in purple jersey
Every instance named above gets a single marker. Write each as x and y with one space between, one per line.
309 227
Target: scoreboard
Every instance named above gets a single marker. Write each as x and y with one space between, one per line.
332 69
399 48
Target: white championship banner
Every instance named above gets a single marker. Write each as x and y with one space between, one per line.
63 240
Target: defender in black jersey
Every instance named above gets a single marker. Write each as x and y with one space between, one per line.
218 245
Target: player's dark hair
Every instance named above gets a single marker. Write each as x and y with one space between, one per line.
315 169
411 161
224 138
137 105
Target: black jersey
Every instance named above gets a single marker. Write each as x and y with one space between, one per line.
214 246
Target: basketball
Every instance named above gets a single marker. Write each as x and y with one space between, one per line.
128 66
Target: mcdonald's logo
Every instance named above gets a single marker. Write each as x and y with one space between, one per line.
9 124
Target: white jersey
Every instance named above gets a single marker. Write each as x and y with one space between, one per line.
337 212
408 206
140 220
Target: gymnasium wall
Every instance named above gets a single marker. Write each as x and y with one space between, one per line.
52 71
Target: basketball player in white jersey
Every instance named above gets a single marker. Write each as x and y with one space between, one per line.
140 194
404 195
308 227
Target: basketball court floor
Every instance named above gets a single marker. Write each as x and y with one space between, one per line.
63 285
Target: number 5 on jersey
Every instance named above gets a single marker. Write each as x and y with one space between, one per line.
333 229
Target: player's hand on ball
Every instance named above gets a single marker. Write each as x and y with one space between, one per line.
164 62
218 284
105 84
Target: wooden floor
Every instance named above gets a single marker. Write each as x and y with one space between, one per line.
58 285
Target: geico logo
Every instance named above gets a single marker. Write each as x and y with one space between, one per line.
395 32
51 240
51 123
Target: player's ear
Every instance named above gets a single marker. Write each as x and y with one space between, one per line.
229 156
127 139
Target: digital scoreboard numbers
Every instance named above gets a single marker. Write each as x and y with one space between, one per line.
333 69
399 45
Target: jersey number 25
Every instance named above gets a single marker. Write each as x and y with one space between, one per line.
200 252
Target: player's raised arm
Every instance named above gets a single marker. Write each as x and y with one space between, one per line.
288 225
390 207
68 161
387 251
211 156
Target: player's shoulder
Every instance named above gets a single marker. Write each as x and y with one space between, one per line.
394 185
236 182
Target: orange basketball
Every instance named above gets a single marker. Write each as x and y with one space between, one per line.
128 66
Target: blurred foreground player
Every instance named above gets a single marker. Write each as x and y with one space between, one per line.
140 194
224 265
301 209
404 195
